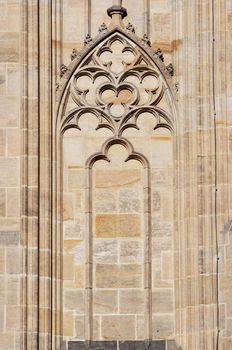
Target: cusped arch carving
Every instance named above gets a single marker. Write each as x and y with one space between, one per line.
117 77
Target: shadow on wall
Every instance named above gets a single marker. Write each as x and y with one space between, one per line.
121 345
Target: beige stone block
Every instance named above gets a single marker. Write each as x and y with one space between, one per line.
2 260
105 251
74 229
9 172
167 266
105 301
162 300
79 327
13 290
2 77
68 206
80 276
70 244
9 238
9 47
2 318
117 178
123 276
13 317
105 200
13 202
2 290
13 80
68 324
118 327
121 225
13 261
79 201
2 202
74 300
76 179
2 142
131 252
6 341
9 111
68 267
163 326
13 18
140 327
13 142
130 200
131 301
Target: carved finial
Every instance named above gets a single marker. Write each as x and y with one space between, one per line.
130 28
74 54
117 13
160 54
170 69
63 70
102 28
146 40
88 40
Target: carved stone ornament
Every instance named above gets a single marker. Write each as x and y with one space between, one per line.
63 69
102 28
119 79
159 53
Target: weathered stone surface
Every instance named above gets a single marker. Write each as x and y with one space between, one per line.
105 302
131 302
118 327
114 276
105 201
117 178
9 43
121 225
74 300
163 326
162 300
9 172
94 345
105 251
9 238
129 200
141 345
131 252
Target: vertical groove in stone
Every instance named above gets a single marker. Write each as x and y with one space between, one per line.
89 17
89 256
147 254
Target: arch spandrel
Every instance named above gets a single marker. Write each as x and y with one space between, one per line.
120 62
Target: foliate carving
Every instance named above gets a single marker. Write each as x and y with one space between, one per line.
159 53
63 69
117 84
88 40
102 28
74 54
170 69
130 28
146 40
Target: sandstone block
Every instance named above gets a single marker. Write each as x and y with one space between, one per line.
9 172
114 276
13 261
79 327
131 252
162 300
105 251
121 225
76 179
9 111
2 141
131 301
74 300
105 201
9 47
129 201
68 324
117 178
2 202
79 276
13 316
118 327
68 267
163 326
105 301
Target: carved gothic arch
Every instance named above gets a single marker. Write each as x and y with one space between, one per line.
108 84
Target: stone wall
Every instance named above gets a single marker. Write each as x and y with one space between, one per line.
42 264
10 122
